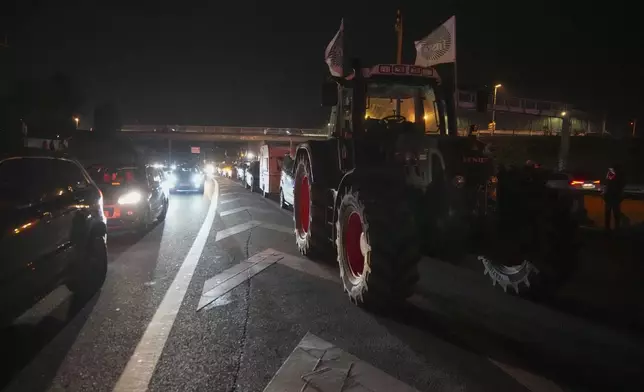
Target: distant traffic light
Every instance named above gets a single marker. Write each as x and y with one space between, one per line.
482 97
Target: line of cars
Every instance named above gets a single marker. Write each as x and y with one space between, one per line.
55 216
271 174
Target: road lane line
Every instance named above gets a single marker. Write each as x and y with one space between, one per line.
140 367
234 276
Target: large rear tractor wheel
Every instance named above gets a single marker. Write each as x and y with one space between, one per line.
537 254
308 215
378 264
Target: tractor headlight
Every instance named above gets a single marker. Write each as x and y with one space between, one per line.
130 198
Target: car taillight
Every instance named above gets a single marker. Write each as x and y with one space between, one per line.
576 182
458 181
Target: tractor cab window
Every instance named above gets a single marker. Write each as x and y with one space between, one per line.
418 104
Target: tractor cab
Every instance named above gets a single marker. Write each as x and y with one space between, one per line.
397 97
382 114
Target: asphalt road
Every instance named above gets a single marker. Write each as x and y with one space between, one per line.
216 298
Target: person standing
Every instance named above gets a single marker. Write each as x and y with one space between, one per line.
613 194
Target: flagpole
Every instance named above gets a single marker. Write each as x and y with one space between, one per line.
399 32
455 80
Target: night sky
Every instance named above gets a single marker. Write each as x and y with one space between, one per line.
260 63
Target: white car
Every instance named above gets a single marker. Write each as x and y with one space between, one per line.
287 183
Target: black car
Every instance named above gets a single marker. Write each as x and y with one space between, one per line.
52 230
134 195
252 176
187 178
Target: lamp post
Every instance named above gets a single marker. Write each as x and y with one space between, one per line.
76 120
496 87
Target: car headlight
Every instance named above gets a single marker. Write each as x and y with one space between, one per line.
196 178
172 179
130 198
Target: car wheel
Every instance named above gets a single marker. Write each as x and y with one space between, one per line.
91 268
282 204
164 211
148 220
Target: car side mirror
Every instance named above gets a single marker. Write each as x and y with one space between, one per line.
329 94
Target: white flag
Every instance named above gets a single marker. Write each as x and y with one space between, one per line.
439 46
333 53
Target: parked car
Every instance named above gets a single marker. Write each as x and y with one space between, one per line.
287 182
241 170
225 170
187 178
252 176
52 230
134 195
574 181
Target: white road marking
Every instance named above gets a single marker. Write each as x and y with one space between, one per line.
317 365
44 307
228 201
283 229
240 228
234 276
140 367
240 209
324 271
232 193
236 229
529 380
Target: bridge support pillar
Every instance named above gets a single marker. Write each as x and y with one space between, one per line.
169 151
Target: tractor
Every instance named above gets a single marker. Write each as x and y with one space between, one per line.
394 181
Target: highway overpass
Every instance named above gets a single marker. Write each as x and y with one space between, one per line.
199 133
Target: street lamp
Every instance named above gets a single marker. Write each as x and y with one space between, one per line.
563 114
76 120
496 87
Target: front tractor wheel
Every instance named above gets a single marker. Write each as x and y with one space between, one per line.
308 213
378 266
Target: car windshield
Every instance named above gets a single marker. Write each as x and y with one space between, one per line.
187 169
108 176
417 103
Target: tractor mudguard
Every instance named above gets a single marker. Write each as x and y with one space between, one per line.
363 175
320 153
